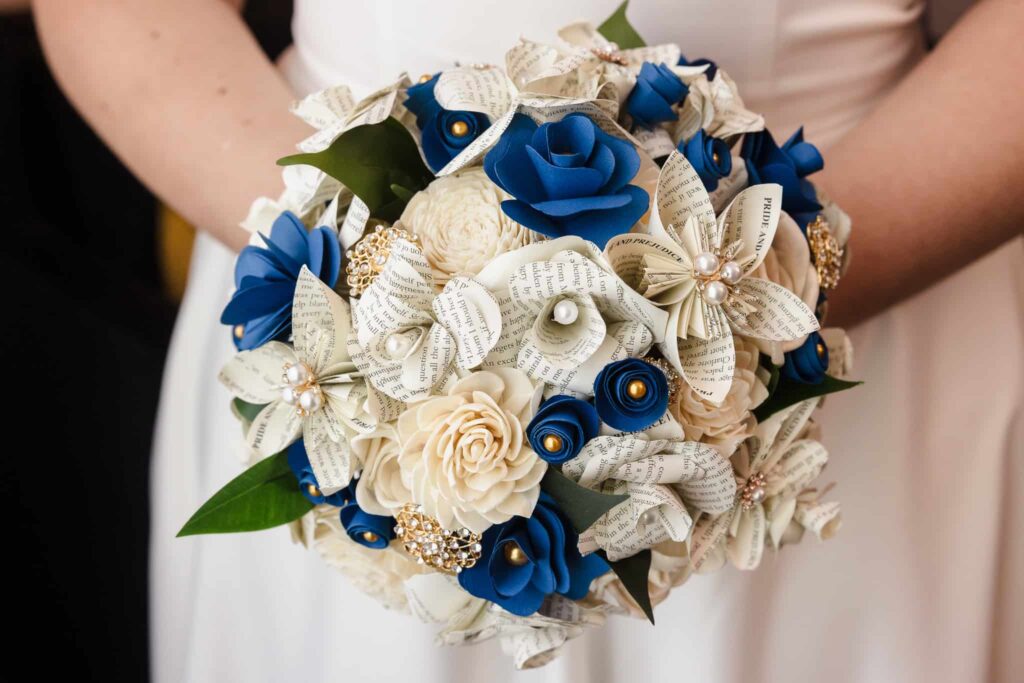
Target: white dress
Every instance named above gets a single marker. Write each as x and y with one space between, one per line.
922 584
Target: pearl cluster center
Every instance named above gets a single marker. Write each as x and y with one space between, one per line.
714 278
301 389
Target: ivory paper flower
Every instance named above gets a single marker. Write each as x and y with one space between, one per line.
662 479
566 315
312 390
724 426
410 340
700 268
461 226
772 469
380 490
465 455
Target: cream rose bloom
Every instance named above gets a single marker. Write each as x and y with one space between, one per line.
465 456
461 226
724 426
788 263
380 490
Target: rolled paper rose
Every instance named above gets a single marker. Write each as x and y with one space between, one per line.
372 531
265 277
444 132
561 427
788 166
568 178
712 67
709 156
630 394
656 90
525 560
807 363
298 461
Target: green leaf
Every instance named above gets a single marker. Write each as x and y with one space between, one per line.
370 161
617 29
633 572
581 505
264 496
788 392
247 411
403 193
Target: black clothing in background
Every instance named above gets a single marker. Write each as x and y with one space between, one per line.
85 331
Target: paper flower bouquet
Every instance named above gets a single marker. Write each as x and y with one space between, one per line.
523 347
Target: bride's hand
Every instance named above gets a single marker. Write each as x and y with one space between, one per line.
180 90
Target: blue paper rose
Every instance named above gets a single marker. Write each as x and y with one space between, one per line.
788 166
807 363
568 178
711 70
265 279
709 156
630 394
525 560
443 132
561 427
656 90
366 529
298 461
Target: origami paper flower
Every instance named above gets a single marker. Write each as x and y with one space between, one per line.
710 158
630 395
808 363
444 133
662 479
657 90
699 269
409 339
265 279
365 528
525 560
561 427
298 461
312 390
787 166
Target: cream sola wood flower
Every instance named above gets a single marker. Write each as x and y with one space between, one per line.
312 389
773 470
410 341
665 481
698 268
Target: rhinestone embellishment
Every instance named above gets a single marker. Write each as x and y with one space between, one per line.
446 550
366 260
828 255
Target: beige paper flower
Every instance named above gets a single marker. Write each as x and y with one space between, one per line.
726 425
380 490
465 455
461 226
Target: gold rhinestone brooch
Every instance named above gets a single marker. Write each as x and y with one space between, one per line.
423 537
367 258
828 255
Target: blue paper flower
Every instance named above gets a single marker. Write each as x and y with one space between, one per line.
444 132
298 460
570 421
525 560
807 364
656 90
712 69
366 529
709 156
265 279
788 166
630 394
568 178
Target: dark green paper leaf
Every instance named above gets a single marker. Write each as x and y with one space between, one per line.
370 161
617 29
402 193
248 411
264 496
633 572
788 393
581 505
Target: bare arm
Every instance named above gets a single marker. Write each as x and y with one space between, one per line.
933 179
181 92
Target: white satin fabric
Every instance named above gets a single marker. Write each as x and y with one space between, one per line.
923 582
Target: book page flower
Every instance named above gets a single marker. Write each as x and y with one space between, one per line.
460 224
772 468
410 340
713 104
699 269
662 478
465 455
670 567
313 389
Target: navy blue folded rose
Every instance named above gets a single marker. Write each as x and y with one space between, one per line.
265 277
787 166
443 132
568 178
709 156
525 560
561 427
630 395
807 363
366 529
298 461
657 90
